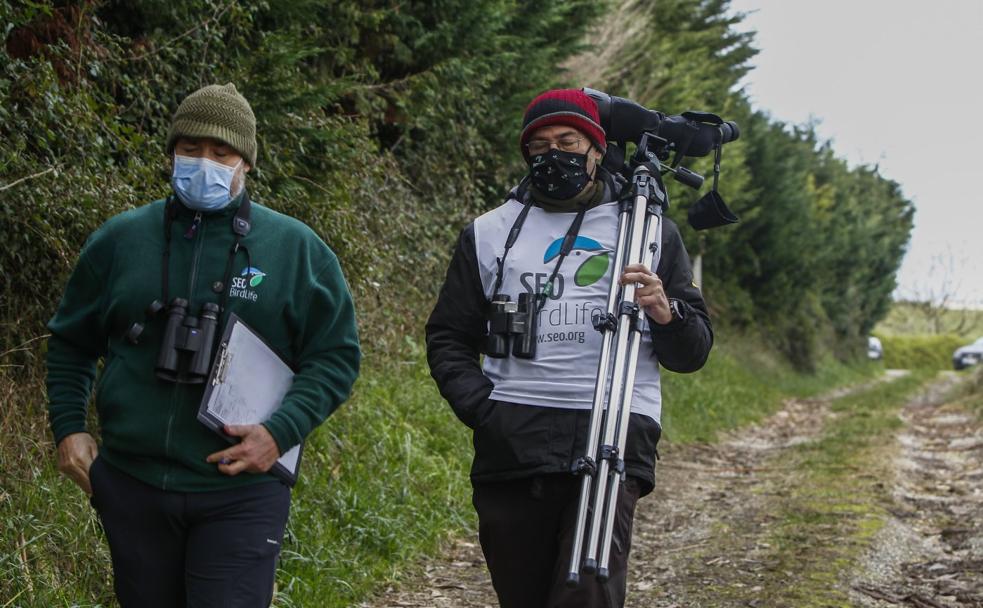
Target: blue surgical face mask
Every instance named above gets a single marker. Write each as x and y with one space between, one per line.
202 184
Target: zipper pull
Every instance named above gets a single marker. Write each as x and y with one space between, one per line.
193 229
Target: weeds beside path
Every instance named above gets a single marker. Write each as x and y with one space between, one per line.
777 514
383 481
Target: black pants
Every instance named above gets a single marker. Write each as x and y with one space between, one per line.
172 549
526 532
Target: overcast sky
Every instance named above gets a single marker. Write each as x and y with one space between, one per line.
895 83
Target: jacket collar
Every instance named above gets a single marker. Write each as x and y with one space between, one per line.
184 212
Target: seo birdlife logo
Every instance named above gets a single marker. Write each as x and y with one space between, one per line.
595 259
244 284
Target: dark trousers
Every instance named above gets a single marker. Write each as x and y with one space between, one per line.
173 549
526 532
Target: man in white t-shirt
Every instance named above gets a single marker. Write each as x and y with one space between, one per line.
549 249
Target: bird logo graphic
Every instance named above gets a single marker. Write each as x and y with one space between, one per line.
255 275
593 267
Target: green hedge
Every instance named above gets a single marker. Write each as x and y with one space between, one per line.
920 352
387 125
383 125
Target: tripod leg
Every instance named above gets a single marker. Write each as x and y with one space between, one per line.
639 238
606 456
587 465
653 239
627 313
617 475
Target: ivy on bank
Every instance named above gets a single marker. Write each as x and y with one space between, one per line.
384 125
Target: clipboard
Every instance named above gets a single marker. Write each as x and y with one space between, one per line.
246 386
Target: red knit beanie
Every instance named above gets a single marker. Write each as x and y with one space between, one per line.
570 107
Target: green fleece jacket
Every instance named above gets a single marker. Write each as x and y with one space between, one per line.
294 295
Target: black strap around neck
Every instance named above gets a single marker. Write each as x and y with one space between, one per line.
170 212
241 225
568 242
509 242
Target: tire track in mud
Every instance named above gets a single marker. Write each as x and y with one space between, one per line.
930 552
720 492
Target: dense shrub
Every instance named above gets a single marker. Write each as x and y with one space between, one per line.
920 351
384 125
813 262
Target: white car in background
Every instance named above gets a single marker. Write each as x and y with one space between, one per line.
875 351
966 356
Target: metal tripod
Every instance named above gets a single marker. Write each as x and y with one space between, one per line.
602 468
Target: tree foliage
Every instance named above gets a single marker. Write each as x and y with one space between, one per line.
816 252
384 125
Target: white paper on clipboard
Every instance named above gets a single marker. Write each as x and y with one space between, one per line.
247 386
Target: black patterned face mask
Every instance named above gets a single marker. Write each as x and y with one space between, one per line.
558 174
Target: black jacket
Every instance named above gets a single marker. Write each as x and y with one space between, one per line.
513 441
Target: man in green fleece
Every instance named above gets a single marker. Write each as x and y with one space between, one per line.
190 520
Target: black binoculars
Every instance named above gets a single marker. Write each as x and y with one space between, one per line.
185 354
515 321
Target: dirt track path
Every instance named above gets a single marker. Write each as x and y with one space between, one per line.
705 527
714 505
930 552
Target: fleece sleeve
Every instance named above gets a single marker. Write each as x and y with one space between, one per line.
328 360
78 339
681 345
456 333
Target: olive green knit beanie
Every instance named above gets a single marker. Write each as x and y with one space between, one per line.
220 112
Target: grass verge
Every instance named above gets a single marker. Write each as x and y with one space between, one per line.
920 351
743 382
384 480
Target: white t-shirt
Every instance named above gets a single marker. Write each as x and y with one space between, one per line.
568 347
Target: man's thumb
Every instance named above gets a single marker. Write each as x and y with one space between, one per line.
237 430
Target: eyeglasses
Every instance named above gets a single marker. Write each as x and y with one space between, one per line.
542 146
